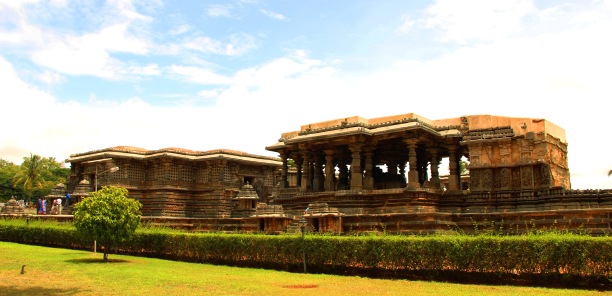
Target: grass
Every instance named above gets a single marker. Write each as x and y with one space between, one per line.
50 271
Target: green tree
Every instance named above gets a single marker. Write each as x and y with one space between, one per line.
31 175
54 173
108 216
37 175
7 190
291 163
463 167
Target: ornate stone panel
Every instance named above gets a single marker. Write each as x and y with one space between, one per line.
475 180
526 177
516 178
497 181
135 171
546 176
506 178
537 176
487 179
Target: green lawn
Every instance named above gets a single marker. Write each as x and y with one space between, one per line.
50 271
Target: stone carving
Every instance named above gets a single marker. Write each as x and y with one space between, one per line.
516 178
475 179
506 178
487 179
526 177
497 180
546 180
537 176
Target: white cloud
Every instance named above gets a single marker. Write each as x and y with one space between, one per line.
51 78
127 11
90 54
77 51
561 75
15 4
462 21
149 70
273 14
219 10
209 93
200 75
237 44
407 24
184 28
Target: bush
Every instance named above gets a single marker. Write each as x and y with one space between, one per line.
533 257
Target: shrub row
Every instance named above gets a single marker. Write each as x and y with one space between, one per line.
557 254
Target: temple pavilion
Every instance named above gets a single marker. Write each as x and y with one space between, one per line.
503 153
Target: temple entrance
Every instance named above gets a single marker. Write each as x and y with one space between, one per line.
315 225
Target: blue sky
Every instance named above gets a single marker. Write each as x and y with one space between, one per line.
84 75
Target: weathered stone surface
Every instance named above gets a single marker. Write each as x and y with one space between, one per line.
364 175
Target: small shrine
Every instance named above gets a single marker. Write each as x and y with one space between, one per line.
245 201
12 207
81 191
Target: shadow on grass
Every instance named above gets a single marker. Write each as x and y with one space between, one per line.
41 291
96 260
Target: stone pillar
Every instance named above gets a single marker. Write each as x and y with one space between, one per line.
413 173
453 182
284 183
306 185
330 172
369 168
356 172
435 166
311 169
317 183
298 165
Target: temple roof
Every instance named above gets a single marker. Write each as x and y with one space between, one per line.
140 153
449 127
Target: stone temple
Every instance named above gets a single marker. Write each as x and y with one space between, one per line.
397 174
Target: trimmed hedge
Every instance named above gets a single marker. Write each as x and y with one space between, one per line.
559 255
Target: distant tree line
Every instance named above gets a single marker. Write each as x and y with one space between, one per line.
33 179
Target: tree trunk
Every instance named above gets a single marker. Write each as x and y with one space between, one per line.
106 251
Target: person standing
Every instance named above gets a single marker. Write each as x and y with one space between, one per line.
59 205
67 199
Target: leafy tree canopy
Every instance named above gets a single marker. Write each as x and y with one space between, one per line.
35 177
108 216
7 171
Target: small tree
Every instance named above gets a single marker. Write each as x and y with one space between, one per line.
108 216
